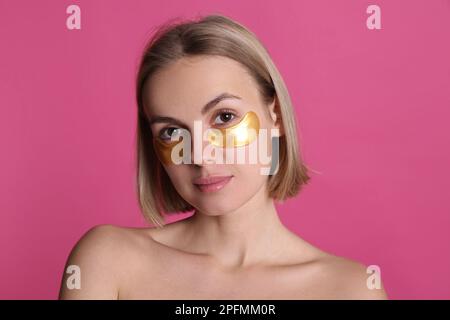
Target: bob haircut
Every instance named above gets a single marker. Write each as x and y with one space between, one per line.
221 36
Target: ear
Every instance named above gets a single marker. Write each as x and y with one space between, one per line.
275 114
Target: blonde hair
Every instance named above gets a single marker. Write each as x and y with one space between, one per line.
211 35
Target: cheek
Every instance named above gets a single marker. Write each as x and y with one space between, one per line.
249 176
179 176
247 182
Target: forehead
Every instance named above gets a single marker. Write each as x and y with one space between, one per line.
183 87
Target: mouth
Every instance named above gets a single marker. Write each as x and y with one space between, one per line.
212 184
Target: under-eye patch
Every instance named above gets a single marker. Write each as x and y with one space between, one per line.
241 134
164 150
238 135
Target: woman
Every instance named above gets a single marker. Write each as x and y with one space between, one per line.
215 75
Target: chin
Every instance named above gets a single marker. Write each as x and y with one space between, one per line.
221 205
216 207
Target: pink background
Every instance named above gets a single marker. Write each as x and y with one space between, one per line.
373 107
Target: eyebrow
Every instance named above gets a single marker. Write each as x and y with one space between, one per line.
205 109
216 100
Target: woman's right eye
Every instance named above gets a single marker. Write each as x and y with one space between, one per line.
167 133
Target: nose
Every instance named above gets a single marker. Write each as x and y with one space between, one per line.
201 151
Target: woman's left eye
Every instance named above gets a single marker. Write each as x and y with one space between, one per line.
224 117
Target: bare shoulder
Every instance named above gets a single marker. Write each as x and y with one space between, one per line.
99 260
347 279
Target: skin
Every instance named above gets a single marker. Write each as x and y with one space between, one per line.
234 246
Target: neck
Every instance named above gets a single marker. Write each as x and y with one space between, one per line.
247 236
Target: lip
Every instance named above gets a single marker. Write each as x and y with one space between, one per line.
212 183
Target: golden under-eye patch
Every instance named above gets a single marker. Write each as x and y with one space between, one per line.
164 149
241 134
238 135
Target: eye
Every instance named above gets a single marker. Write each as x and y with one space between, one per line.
168 133
224 117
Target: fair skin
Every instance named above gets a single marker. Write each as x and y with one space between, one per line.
234 246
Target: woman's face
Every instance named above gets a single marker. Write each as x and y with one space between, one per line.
176 96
